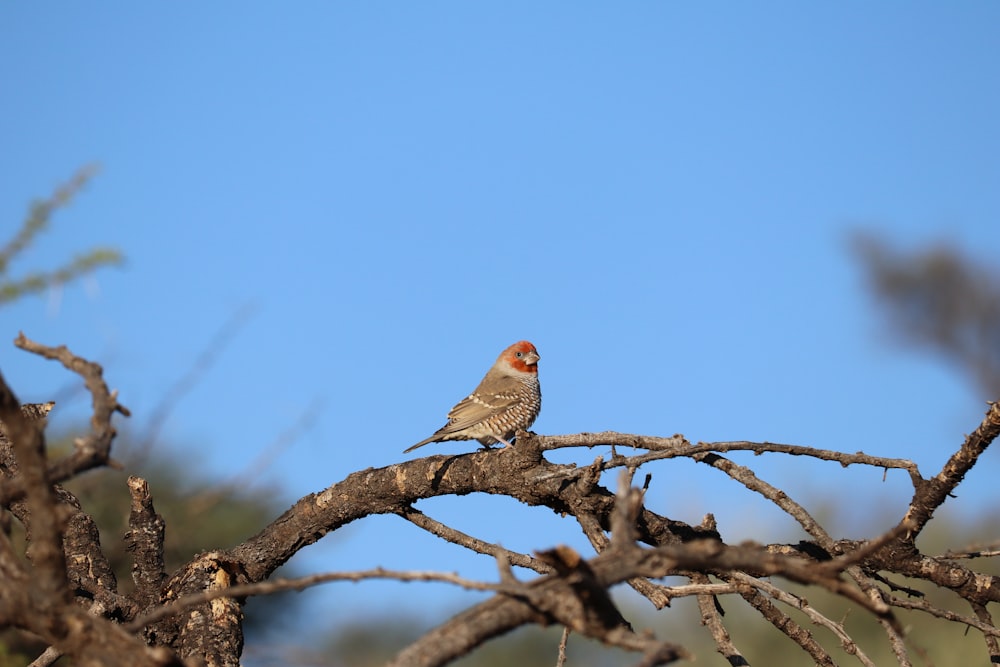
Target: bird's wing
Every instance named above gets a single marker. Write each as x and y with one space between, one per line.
470 411
496 393
476 408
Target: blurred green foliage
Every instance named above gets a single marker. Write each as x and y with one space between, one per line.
199 516
38 220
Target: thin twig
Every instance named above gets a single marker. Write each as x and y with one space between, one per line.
561 660
677 446
434 527
47 658
747 478
988 550
926 607
207 358
244 478
711 618
787 626
992 645
796 602
896 642
644 587
865 549
93 450
280 585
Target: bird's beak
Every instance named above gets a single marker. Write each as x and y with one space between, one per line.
532 358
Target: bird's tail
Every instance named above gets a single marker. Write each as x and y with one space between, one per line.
419 444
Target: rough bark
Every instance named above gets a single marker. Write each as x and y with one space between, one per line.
66 594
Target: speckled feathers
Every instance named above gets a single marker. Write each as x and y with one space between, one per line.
508 398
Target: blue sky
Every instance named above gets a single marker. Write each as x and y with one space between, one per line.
658 195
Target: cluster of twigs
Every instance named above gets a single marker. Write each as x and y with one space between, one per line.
66 594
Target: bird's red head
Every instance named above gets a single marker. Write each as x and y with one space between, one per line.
521 356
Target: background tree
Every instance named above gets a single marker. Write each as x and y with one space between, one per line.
939 299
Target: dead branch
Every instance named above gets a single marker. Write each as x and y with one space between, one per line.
66 594
932 493
38 596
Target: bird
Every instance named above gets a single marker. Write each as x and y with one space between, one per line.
508 398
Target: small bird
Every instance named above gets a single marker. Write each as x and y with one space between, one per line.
507 399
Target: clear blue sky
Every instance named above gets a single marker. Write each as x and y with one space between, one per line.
658 195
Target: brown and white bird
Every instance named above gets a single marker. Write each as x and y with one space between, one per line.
507 399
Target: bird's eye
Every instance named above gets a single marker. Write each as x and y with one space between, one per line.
520 354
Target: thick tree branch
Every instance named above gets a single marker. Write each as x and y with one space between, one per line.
196 612
40 601
145 542
418 518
